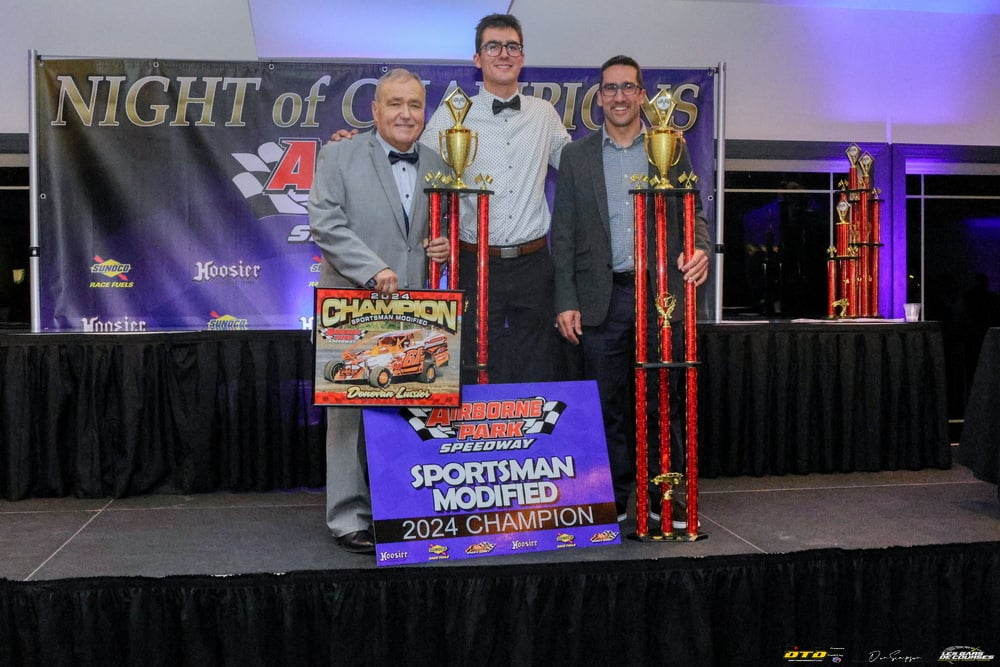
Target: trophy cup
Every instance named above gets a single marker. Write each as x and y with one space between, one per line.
456 142
663 144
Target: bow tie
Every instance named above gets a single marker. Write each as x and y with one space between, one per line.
395 157
514 103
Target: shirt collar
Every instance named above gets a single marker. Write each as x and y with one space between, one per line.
490 96
607 140
386 146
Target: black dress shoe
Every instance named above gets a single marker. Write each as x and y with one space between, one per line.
358 542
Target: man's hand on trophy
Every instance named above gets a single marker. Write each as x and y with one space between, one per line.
437 249
342 134
696 270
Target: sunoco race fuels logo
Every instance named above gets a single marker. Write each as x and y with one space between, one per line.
227 323
110 268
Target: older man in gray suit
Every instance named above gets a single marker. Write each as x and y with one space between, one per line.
593 250
368 214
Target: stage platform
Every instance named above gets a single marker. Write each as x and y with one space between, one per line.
856 565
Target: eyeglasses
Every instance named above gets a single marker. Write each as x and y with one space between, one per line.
628 88
492 49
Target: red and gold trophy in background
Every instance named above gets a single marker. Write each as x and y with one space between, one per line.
456 143
852 267
664 147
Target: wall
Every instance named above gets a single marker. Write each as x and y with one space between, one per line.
823 72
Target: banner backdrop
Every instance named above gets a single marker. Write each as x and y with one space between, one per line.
171 194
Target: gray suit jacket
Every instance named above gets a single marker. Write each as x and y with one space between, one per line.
581 234
356 217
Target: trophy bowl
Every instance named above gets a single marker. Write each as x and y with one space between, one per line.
456 144
663 150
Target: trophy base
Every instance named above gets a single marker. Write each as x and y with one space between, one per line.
657 536
459 190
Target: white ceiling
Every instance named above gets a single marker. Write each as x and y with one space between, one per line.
939 6
443 29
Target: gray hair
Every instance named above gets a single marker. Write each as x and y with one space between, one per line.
396 74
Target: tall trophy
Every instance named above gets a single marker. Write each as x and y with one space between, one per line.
654 354
456 142
663 144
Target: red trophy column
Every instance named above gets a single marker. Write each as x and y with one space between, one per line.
664 308
691 360
482 293
434 206
641 347
434 197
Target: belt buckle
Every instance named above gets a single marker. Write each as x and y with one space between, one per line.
510 251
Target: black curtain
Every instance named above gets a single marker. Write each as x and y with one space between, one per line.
980 449
119 415
116 415
725 610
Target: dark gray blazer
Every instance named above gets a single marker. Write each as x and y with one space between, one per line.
581 234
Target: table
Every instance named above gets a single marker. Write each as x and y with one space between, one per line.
980 442
801 397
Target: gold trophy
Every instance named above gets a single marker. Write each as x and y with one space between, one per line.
865 164
456 142
663 144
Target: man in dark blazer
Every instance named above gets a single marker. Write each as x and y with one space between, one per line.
368 215
593 251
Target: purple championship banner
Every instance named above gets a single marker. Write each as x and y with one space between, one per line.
172 194
516 468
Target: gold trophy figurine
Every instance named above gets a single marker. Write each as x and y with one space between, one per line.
865 164
456 142
663 144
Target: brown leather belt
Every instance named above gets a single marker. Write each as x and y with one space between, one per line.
508 251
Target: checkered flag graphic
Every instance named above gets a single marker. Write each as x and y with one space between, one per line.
336 335
251 183
417 419
551 412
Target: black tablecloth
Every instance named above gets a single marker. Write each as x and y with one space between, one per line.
783 398
980 446
98 415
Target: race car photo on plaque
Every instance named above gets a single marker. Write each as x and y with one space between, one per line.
373 350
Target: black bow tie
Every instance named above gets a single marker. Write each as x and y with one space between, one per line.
514 103
395 157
